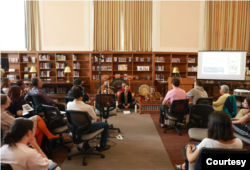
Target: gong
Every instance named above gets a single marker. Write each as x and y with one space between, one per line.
117 84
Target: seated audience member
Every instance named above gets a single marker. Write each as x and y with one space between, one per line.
16 102
22 85
224 91
126 99
220 135
5 85
37 89
153 95
175 94
39 125
243 112
16 151
197 92
30 86
239 127
79 105
105 89
123 88
78 82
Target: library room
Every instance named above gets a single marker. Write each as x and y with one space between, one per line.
125 84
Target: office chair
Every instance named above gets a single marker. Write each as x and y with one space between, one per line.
37 102
80 125
107 108
178 111
56 125
207 101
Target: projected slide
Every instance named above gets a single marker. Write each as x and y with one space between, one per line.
222 65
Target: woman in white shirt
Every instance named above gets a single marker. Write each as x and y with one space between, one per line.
220 135
16 151
5 85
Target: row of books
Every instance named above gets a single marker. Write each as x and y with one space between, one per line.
247 77
142 68
76 73
142 59
45 65
159 59
60 73
192 77
107 59
13 77
95 77
60 65
49 89
13 60
122 59
192 69
61 57
159 76
191 60
74 57
26 76
159 68
61 89
76 65
176 60
44 57
45 73
103 68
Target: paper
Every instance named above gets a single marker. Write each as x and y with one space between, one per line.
126 112
26 109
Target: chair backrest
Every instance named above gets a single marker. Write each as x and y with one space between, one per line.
207 101
78 123
178 109
198 115
69 99
213 151
6 166
37 99
53 117
108 103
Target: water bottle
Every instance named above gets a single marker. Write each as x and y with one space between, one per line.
135 108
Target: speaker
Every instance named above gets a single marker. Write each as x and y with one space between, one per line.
5 63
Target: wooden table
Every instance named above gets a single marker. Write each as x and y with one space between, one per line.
163 83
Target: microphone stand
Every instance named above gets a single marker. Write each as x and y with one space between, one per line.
100 83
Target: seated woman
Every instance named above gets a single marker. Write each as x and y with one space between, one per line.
238 127
16 151
39 125
220 135
16 102
126 99
224 91
246 105
5 84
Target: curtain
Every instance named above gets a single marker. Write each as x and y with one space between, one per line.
33 33
123 25
227 25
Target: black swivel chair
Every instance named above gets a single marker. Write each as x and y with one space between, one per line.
210 151
37 102
80 125
56 125
198 115
108 104
207 101
8 167
178 111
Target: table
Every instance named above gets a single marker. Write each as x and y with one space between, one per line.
163 83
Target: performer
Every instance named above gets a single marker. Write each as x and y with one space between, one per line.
126 99
123 88
153 95
105 89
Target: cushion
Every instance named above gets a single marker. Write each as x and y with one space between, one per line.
61 129
112 113
197 134
89 136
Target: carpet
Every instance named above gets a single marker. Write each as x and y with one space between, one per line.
140 149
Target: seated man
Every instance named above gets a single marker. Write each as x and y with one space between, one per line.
105 89
197 92
126 99
78 82
79 105
37 89
153 95
175 94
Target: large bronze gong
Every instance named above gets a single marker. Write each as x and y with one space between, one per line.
117 84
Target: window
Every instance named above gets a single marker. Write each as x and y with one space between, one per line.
12 30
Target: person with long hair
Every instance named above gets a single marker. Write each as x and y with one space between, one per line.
16 151
39 125
5 84
220 135
246 105
16 102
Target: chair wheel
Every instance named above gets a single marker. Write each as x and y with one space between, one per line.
69 157
103 156
84 163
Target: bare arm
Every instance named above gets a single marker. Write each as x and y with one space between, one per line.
243 119
192 156
36 146
19 113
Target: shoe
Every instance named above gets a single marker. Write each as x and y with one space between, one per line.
103 148
178 168
53 141
162 126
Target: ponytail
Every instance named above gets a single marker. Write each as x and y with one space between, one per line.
17 131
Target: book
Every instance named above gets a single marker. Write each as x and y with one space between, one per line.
25 59
142 77
141 59
26 109
122 67
148 58
26 76
33 59
115 59
74 57
26 69
117 76
136 58
130 59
